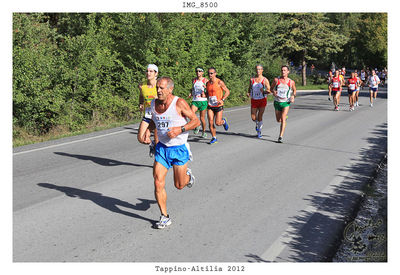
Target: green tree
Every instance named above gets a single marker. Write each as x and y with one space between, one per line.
36 104
306 37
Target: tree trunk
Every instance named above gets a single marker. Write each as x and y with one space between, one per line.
303 72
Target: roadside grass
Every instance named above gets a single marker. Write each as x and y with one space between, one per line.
24 138
313 87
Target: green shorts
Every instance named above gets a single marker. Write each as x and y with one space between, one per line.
201 105
280 105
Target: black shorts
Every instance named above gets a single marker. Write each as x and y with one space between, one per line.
351 91
146 119
215 109
334 92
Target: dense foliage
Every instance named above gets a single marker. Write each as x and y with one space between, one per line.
75 69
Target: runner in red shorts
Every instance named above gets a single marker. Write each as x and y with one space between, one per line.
258 89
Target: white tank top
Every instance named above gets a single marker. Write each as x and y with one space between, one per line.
170 118
284 91
198 89
255 89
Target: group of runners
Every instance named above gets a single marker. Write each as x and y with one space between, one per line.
170 118
336 82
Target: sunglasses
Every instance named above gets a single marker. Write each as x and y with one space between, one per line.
211 73
199 71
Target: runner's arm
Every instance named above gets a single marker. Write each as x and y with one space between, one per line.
267 86
182 107
144 134
273 86
294 92
225 89
249 89
141 98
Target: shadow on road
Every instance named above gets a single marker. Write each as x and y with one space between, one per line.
109 203
315 236
101 161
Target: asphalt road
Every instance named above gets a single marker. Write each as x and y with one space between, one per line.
90 198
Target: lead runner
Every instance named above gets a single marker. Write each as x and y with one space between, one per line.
169 115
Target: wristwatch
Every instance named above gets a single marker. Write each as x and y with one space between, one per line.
183 129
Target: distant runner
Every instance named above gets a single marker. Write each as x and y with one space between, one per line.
217 92
148 92
359 83
336 84
374 82
351 89
258 89
199 99
284 90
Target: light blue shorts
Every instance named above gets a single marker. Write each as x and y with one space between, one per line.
174 155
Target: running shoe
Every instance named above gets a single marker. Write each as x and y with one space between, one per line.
329 98
164 222
204 135
213 140
259 135
196 130
371 105
336 108
192 178
226 126
152 149
280 140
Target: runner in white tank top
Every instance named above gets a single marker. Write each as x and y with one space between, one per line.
170 118
168 115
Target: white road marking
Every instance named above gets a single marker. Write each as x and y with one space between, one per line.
70 142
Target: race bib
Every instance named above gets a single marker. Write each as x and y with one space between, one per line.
213 101
352 86
335 84
282 92
197 91
163 124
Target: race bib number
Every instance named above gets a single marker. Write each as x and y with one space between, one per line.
213 101
352 86
281 92
335 84
162 125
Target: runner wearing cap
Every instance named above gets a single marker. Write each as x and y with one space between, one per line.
199 99
148 92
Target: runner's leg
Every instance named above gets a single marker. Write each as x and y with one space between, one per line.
181 179
159 174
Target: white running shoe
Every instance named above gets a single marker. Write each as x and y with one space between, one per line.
371 105
192 178
164 222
